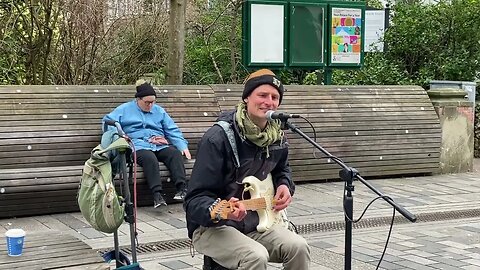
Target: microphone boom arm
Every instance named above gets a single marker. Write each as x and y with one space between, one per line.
348 174
399 208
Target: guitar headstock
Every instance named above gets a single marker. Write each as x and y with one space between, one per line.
221 210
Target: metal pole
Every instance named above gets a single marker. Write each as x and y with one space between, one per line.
327 76
386 25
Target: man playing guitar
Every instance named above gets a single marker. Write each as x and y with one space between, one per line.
226 187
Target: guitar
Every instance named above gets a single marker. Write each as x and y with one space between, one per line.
261 193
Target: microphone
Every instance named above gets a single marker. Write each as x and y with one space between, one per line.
271 115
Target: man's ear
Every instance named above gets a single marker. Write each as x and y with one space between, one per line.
245 100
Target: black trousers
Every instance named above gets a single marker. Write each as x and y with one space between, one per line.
171 157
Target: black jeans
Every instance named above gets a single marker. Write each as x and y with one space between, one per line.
171 157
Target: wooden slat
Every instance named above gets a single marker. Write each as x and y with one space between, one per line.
42 191
52 250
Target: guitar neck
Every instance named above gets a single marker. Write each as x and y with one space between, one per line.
255 204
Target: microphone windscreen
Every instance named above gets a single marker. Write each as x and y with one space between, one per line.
269 114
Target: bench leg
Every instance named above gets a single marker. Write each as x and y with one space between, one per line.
210 264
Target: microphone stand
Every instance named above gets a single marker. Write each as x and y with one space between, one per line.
348 174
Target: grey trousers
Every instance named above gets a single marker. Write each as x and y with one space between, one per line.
235 250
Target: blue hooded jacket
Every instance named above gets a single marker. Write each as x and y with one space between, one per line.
140 126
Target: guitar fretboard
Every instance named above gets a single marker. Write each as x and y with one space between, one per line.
255 204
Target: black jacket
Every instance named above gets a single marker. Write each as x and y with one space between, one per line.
215 176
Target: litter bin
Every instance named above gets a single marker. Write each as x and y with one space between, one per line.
468 87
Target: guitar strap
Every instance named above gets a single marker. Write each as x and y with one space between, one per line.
231 139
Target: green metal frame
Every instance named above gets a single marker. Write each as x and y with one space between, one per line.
291 62
288 62
246 33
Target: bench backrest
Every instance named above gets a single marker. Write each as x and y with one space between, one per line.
379 130
51 126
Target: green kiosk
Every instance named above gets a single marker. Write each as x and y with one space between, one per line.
303 34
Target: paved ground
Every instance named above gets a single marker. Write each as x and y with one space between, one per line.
446 235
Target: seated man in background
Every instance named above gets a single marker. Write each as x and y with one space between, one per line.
156 138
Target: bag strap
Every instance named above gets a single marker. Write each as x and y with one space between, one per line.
227 127
120 144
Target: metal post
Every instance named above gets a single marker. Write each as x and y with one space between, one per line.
327 76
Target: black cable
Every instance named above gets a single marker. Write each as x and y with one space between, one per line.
315 139
363 213
294 226
366 208
313 128
344 194
388 239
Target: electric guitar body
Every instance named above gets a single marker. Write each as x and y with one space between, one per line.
262 193
265 189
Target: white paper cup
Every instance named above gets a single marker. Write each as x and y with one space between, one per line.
15 239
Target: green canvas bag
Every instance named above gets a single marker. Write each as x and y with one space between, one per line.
98 201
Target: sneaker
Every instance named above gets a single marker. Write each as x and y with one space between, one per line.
180 195
158 200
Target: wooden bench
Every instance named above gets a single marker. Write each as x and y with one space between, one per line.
47 133
52 250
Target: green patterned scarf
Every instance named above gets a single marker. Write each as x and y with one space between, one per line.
261 138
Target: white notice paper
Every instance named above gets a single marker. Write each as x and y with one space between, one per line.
266 28
374 30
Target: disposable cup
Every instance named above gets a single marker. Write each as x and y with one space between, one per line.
15 239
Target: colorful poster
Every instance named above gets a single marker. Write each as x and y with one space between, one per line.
346 35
